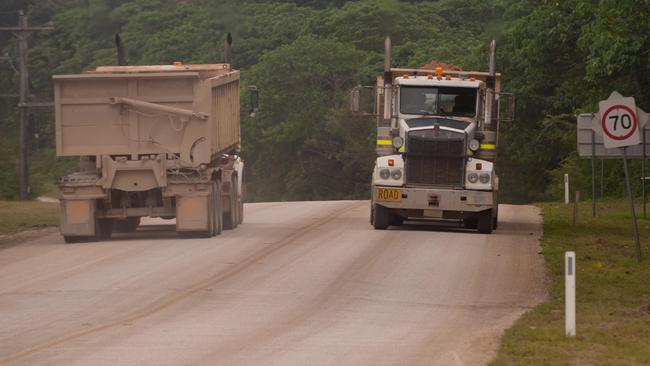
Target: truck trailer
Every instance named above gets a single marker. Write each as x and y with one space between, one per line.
153 141
437 139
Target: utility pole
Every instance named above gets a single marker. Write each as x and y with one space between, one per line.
22 32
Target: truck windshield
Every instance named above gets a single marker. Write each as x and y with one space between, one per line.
438 101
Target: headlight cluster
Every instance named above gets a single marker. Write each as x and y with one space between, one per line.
388 173
474 177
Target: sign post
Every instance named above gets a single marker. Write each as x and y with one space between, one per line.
619 124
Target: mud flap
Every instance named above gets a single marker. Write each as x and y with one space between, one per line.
77 217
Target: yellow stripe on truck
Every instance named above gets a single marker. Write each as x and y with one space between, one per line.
384 142
488 146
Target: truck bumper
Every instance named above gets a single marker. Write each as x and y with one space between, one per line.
433 202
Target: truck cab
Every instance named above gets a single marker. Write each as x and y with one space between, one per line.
436 142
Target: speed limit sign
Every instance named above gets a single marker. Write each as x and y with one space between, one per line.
619 122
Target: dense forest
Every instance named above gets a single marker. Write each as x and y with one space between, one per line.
558 57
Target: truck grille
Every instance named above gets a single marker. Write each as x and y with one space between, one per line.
435 160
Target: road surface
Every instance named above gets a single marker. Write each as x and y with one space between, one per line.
300 283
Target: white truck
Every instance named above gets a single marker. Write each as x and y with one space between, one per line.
437 136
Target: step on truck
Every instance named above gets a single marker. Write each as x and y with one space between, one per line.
153 141
437 138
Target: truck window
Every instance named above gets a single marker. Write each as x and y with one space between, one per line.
438 101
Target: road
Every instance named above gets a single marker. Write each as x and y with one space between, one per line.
299 283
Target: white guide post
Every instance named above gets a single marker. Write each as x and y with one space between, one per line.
566 189
570 293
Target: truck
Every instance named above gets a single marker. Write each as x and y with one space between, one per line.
152 141
437 139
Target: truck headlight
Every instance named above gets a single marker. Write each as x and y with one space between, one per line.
474 145
384 174
398 141
484 178
396 174
472 177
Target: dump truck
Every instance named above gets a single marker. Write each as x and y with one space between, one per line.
437 139
153 141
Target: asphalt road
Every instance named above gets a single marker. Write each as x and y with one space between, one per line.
300 283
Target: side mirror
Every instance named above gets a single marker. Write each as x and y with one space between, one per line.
506 107
254 100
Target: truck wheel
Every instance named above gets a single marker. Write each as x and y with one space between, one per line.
74 239
485 222
380 217
218 205
211 213
103 229
128 225
495 219
240 218
396 220
470 222
230 219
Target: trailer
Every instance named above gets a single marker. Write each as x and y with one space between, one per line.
153 141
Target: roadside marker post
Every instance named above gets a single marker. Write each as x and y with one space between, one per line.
570 294
576 201
566 189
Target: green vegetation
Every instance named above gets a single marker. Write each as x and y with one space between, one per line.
19 216
558 57
613 301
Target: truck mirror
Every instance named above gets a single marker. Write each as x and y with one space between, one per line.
506 105
353 99
254 101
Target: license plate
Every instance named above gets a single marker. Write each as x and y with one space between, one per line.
388 194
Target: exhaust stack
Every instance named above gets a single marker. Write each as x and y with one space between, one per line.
227 50
490 110
493 58
121 54
387 53
388 79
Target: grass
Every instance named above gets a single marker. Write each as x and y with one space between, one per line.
18 216
613 293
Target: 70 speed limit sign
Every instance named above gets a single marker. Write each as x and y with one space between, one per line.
619 122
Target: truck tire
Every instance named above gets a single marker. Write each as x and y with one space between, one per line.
104 229
495 219
240 203
212 230
395 220
128 225
380 217
69 239
485 222
470 222
218 206
231 219
240 216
